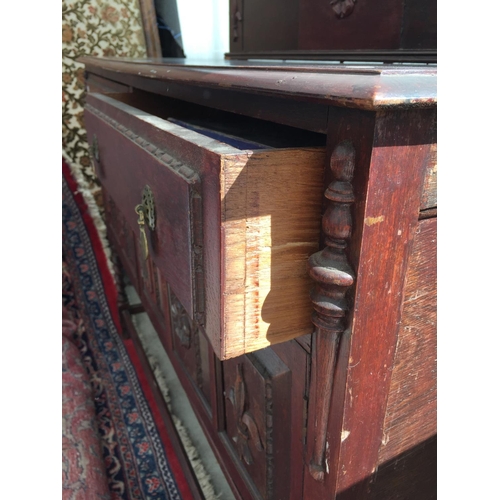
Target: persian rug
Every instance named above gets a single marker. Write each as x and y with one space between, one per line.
137 452
84 472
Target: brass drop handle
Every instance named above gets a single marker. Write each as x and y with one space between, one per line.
147 216
143 240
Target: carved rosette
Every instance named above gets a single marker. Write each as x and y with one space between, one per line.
245 423
333 277
181 323
343 8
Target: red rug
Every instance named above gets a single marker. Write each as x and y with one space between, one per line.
112 425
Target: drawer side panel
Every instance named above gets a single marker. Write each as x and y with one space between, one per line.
271 217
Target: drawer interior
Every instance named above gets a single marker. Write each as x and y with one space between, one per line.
241 132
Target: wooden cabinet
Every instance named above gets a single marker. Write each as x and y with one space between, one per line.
279 224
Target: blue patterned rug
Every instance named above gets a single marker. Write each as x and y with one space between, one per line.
138 454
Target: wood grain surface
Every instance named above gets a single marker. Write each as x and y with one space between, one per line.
386 222
411 408
271 208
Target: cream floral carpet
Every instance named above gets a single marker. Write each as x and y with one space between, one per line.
98 28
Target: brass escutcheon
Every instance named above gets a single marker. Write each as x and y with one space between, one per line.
143 240
149 207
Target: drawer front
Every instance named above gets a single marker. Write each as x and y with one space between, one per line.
120 235
145 276
126 164
258 395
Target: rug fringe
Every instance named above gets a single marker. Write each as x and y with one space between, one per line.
201 473
83 188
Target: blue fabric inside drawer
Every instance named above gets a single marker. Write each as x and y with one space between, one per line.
235 142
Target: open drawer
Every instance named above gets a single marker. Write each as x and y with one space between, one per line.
228 214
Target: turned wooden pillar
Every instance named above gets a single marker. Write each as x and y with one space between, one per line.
333 276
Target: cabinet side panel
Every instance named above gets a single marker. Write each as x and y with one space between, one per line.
411 408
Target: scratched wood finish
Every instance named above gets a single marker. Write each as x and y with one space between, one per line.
392 152
400 152
357 127
380 86
411 408
333 278
271 206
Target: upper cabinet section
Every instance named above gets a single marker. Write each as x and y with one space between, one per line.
393 30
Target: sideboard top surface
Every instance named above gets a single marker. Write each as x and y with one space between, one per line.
367 86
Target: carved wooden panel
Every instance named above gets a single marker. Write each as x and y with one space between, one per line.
349 24
342 8
191 347
150 288
257 390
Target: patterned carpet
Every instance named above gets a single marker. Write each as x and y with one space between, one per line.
137 453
